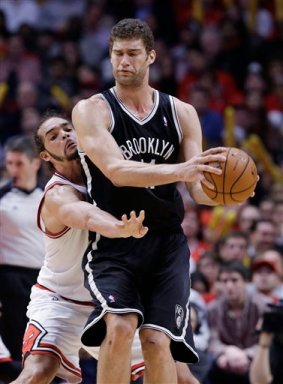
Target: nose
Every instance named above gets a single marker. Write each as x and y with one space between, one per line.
65 135
124 61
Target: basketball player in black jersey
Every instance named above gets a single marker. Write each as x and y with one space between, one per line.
135 144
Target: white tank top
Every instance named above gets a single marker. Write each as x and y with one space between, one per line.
62 271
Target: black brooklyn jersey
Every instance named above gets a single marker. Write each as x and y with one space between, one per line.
154 139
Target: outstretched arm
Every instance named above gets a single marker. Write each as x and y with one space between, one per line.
92 119
63 207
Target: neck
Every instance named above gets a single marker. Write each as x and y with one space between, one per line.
139 100
72 171
237 304
29 185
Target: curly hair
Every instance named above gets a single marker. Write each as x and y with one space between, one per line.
47 115
129 29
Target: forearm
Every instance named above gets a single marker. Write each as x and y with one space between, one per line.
260 368
198 195
136 174
82 215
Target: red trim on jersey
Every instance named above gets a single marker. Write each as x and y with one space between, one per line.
46 232
87 303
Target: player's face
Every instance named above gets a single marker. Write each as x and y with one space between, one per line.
130 62
59 139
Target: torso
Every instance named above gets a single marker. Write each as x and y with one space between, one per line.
62 271
153 138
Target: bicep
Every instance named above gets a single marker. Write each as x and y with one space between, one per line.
91 119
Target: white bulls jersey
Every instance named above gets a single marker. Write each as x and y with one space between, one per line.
61 271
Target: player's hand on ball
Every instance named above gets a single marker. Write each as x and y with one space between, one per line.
207 161
133 226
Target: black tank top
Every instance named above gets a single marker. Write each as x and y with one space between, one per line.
154 139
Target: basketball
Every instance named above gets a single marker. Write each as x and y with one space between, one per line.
237 181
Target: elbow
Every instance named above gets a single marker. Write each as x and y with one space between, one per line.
113 174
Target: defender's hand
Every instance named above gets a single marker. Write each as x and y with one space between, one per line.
133 226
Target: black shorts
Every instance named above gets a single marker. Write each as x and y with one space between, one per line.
148 276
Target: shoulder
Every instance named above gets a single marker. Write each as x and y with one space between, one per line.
259 301
94 109
216 305
95 102
187 114
60 194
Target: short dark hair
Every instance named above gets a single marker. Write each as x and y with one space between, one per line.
46 116
23 144
129 29
234 266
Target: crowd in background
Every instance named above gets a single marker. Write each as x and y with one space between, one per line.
225 57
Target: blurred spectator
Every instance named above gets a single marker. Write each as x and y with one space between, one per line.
267 274
30 120
208 265
54 14
233 246
21 244
266 208
192 229
18 61
95 34
262 237
277 219
266 367
232 319
200 284
165 74
247 215
211 121
19 12
198 317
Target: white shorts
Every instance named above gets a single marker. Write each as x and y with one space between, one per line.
55 327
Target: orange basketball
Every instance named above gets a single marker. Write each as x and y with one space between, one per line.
237 181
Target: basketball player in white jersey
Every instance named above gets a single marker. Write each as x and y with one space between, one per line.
60 305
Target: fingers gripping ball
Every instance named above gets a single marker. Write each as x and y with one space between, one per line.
237 181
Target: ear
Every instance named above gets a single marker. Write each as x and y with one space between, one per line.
152 56
44 156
